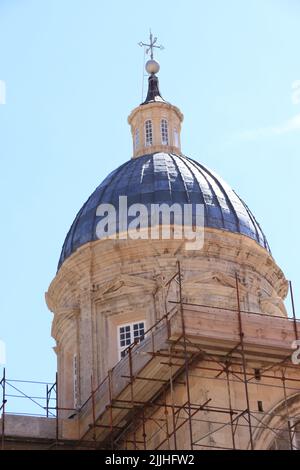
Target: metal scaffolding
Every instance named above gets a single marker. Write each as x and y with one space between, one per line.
136 406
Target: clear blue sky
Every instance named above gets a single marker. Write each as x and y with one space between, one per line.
73 72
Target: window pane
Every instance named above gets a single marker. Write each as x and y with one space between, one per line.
130 333
148 133
164 132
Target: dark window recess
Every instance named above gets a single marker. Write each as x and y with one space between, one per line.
260 406
257 374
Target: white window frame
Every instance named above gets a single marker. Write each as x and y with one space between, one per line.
164 131
148 133
132 337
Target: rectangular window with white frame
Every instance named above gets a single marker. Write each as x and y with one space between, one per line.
129 333
148 133
164 132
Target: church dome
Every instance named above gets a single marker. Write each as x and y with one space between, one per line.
169 178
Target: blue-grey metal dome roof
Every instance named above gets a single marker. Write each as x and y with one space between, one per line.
165 178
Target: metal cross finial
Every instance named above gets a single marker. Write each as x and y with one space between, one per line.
151 46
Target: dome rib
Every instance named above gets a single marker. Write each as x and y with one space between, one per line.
256 225
181 177
70 235
215 197
165 178
227 199
200 190
113 179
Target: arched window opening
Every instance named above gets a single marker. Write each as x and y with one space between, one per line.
287 438
164 132
148 133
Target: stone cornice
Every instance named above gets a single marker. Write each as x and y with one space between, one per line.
64 324
96 265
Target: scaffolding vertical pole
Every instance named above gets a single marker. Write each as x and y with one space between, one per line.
47 402
294 311
3 409
185 358
167 421
243 360
287 410
168 327
172 399
93 409
57 408
152 341
110 408
144 430
230 408
132 395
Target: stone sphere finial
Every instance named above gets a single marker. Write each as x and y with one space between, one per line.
152 66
